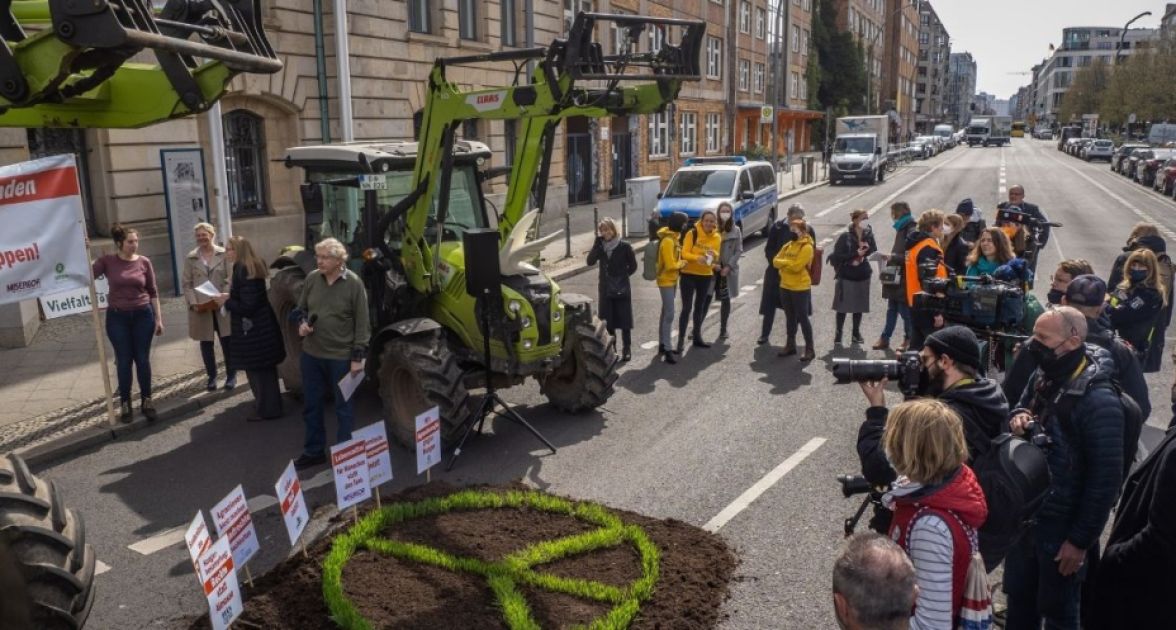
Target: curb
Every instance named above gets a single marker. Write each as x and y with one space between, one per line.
57 448
571 272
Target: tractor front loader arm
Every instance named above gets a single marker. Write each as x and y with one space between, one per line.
74 69
551 96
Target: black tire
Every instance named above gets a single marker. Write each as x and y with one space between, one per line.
285 289
46 567
417 373
585 380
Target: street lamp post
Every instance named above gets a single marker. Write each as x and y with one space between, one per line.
1123 34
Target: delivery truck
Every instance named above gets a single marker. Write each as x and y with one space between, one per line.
860 149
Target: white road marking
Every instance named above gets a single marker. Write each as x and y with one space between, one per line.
761 486
649 345
100 567
750 287
842 202
261 502
759 282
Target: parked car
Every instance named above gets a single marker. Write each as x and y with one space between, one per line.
1043 133
1100 150
924 147
1131 165
1165 179
1122 153
1145 171
1069 144
1079 148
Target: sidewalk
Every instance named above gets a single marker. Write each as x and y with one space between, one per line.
53 388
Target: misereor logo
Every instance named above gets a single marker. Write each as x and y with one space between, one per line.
23 286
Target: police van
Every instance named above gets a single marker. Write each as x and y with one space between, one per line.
705 183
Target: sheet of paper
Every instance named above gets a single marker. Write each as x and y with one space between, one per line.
350 383
208 290
878 257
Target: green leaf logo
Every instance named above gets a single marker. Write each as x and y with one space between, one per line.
60 267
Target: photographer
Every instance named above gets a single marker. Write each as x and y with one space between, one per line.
950 360
1017 202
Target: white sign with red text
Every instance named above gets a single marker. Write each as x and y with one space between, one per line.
42 245
379 458
198 541
220 585
293 504
233 521
349 461
428 439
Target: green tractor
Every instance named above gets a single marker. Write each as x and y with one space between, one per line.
402 209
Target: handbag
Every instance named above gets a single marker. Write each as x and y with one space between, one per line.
891 276
206 307
815 266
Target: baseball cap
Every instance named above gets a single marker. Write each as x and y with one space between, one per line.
1086 290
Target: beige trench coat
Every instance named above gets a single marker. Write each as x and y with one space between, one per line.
194 275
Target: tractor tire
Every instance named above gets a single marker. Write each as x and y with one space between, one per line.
46 567
285 289
585 380
416 374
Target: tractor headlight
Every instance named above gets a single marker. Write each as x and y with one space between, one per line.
555 338
515 306
527 344
526 322
558 314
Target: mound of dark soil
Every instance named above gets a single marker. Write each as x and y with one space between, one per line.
390 593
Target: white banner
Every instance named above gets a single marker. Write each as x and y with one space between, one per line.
428 439
233 521
375 437
292 502
75 301
42 245
349 460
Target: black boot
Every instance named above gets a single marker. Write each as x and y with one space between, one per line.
789 347
627 354
837 338
668 357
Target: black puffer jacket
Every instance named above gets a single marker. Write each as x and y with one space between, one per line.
1134 314
1085 457
256 342
615 269
956 254
1155 353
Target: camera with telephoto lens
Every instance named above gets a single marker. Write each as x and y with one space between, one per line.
983 303
903 371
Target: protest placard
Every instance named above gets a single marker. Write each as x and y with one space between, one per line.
233 521
428 439
293 504
198 541
379 458
349 461
220 585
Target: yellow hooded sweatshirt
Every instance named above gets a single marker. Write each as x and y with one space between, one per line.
694 250
669 258
793 261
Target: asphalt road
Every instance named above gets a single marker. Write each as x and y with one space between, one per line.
733 437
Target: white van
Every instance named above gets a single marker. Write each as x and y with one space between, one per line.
704 183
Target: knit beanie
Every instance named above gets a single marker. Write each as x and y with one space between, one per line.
957 342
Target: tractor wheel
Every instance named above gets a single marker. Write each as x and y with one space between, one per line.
585 379
46 567
416 374
285 289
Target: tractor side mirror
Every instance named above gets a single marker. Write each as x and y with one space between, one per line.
312 202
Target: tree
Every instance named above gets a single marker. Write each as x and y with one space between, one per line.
1086 92
1143 84
842 77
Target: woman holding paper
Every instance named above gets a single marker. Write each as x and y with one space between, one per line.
256 341
132 317
206 275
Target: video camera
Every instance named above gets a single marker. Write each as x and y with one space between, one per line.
904 371
1035 227
857 484
984 303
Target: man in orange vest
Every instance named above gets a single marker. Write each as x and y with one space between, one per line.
924 259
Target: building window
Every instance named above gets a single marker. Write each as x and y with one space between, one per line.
924 38
659 134
761 24
657 37
418 16
688 133
745 17
469 129
245 162
807 5
795 38
804 42
571 8
744 75
467 19
509 23
795 85
714 57
712 132
757 82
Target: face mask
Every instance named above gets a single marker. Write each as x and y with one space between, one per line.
946 230
1045 356
1055 296
724 216
1137 276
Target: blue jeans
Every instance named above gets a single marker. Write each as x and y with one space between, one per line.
666 321
894 310
1035 589
318 377
130 333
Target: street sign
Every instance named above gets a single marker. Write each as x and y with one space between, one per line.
220 585
766 114
428 439
1131 119
293 504
349 460
232 520
379 458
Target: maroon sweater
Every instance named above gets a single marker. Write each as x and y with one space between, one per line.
132 282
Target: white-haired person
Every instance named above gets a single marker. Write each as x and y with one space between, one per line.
335 331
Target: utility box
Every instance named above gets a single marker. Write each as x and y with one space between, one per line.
640 202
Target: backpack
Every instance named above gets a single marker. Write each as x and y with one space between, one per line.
975 612
1014 475
649 260
1132 416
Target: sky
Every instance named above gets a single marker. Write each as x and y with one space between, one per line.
1007 36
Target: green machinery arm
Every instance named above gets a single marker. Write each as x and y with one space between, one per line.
75 71
540 105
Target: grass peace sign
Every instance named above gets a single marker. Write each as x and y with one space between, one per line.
515 569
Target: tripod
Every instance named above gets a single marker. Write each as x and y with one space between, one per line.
491 401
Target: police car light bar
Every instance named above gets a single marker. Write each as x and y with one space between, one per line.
730 159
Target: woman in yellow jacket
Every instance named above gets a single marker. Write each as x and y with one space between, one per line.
669 266
700 250
793 261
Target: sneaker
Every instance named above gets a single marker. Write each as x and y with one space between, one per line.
882 344
125 412
231 382
212 384
627 355
723 335
309 461
857 338
837 339
761 341
148 409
